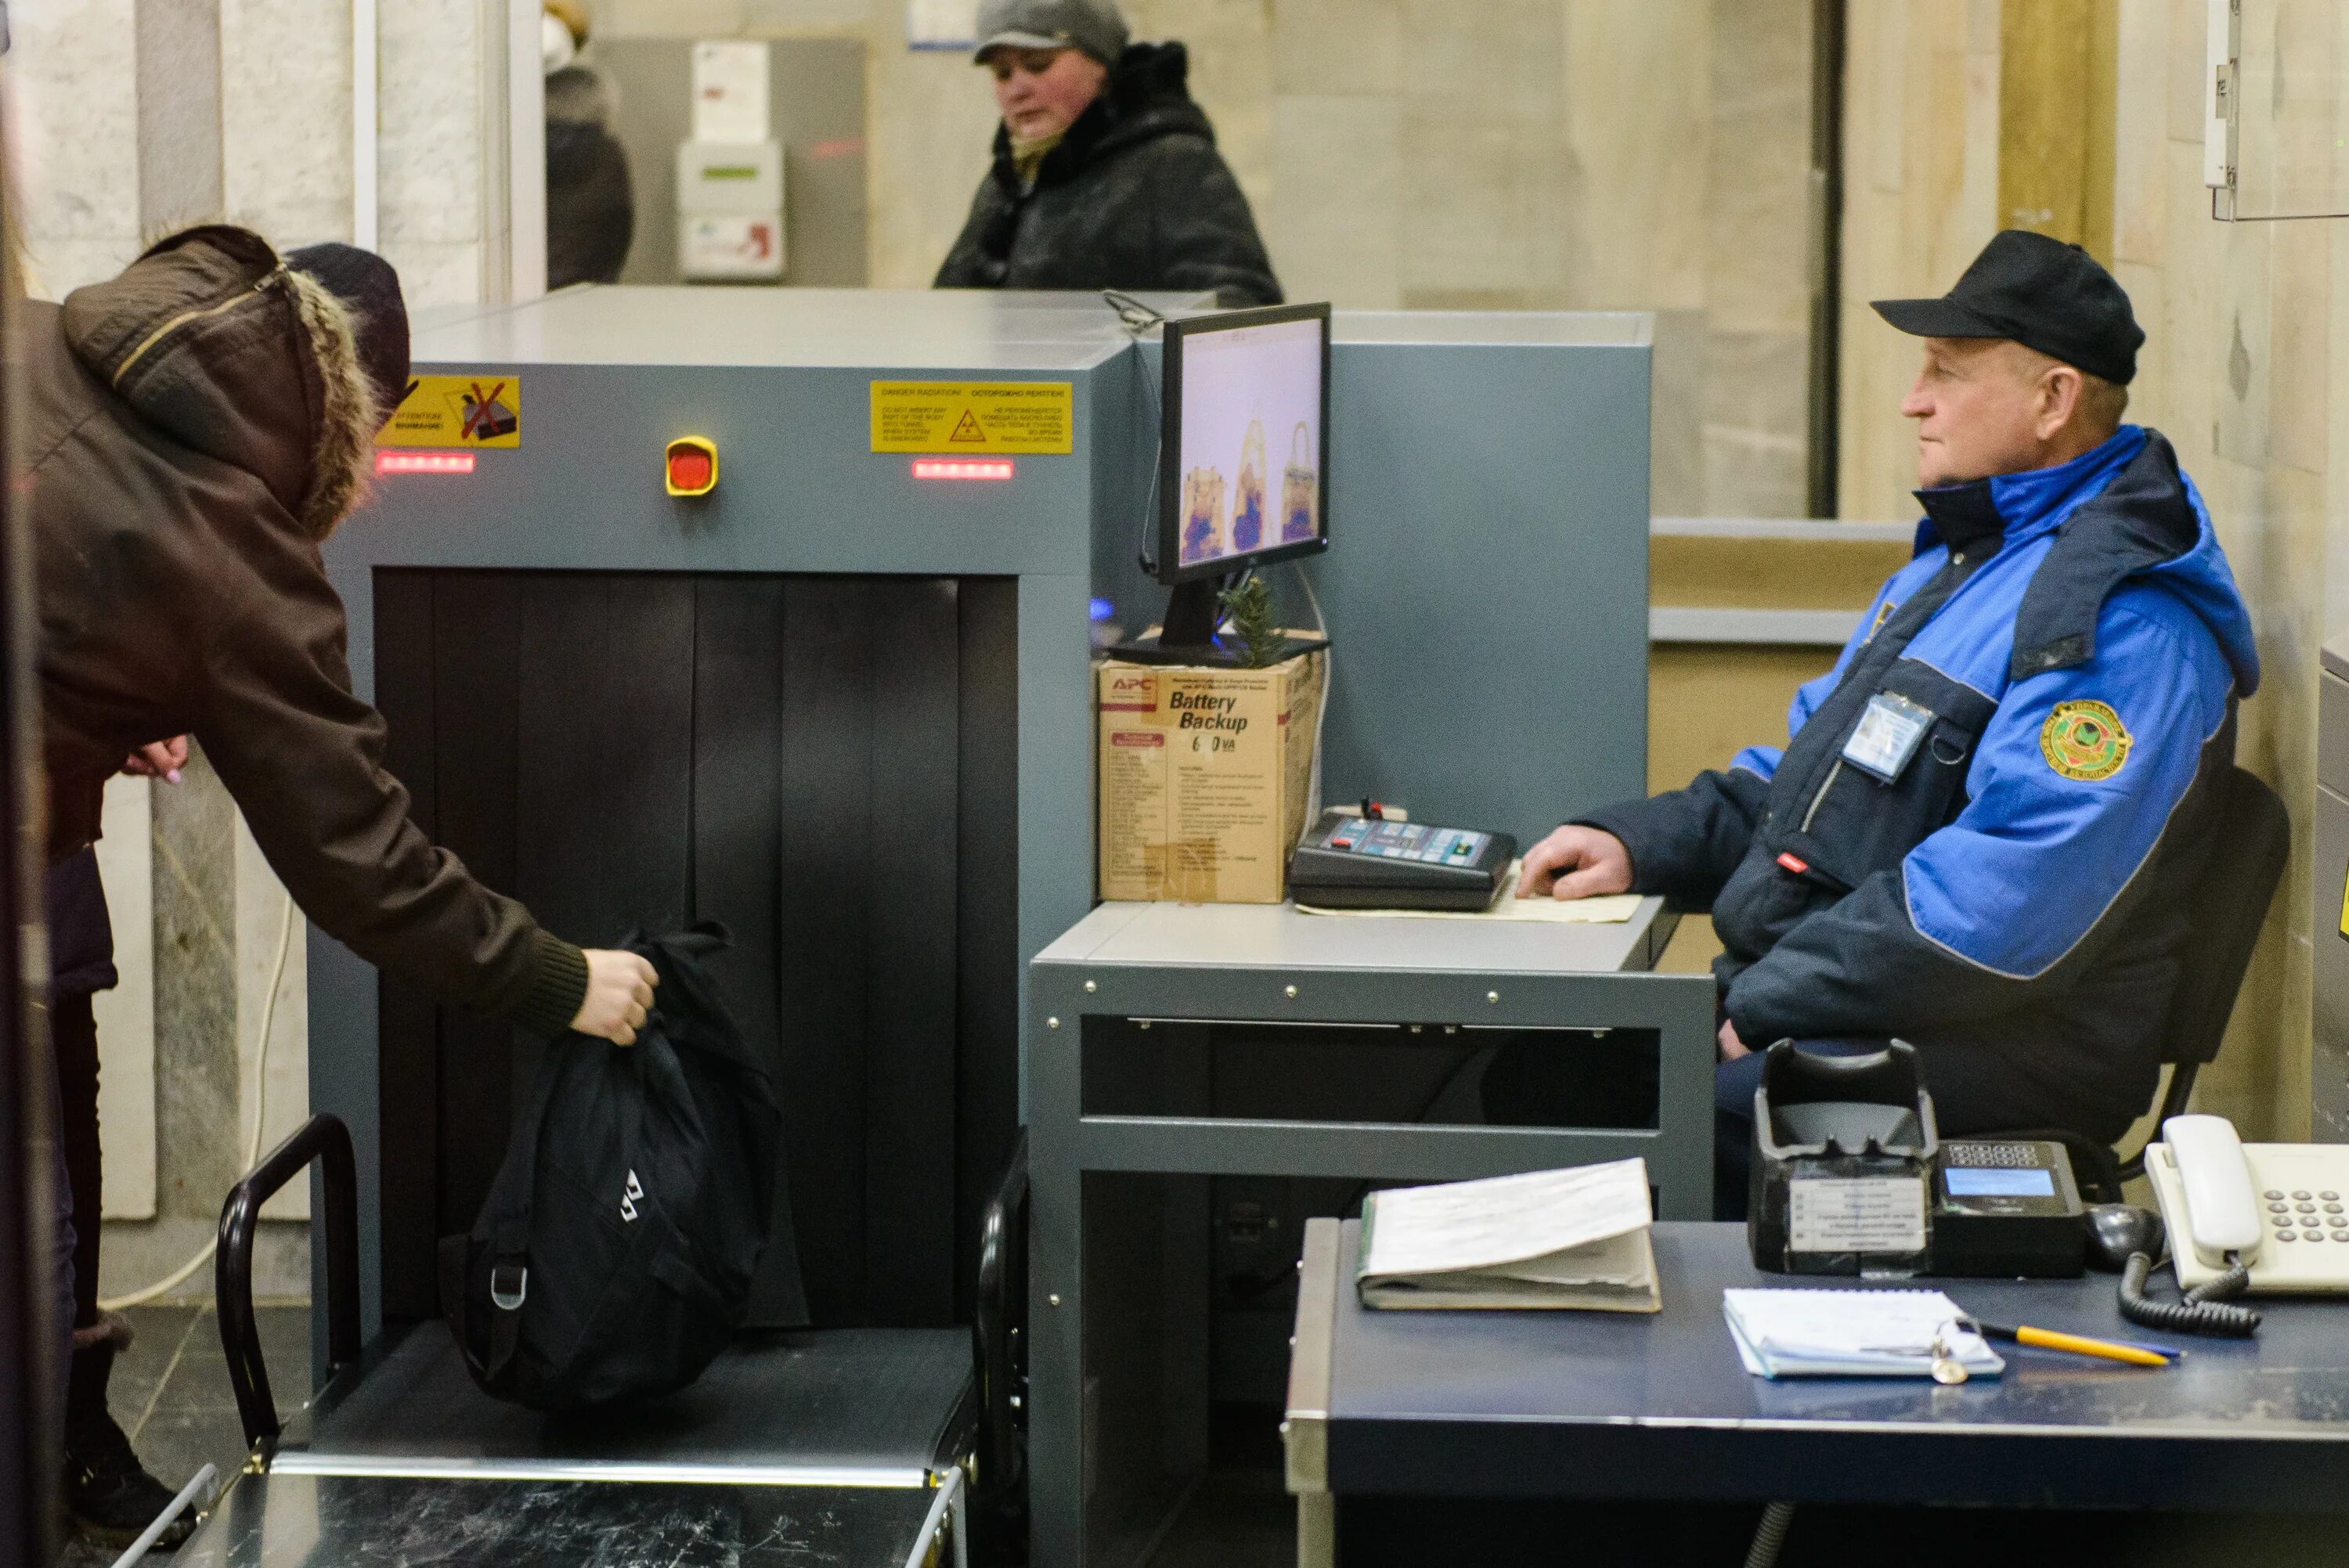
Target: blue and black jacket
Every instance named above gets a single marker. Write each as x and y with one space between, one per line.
2013 899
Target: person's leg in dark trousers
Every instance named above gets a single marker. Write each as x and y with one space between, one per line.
62 1264
73 1028
108 1492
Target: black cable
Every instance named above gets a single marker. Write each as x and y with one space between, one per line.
2205 1309
1770 1535
1138 318
1427 1106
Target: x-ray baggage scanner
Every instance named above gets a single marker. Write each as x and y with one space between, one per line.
778 607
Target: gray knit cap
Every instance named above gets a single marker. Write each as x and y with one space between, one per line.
1093 26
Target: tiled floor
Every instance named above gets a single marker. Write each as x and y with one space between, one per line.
1238 1519
171 1392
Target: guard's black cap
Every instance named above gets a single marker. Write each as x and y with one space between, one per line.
2040 293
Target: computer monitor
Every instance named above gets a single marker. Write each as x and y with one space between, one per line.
1244 453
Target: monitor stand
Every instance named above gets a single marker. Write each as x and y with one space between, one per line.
1187 635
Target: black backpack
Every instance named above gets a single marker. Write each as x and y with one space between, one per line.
612 1259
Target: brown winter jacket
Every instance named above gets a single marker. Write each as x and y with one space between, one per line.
193 429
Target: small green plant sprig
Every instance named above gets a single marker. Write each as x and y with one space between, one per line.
1251 607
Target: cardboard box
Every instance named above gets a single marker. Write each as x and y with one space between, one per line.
1205 778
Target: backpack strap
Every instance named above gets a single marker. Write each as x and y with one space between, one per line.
509 1236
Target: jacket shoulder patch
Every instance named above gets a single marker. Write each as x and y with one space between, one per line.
2085 740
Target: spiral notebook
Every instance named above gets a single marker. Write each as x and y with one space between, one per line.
1851 1333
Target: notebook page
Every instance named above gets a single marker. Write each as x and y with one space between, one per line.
1503 1219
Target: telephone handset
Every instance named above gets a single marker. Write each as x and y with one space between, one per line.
2282 1209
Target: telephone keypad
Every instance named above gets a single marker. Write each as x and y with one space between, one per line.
2272 1195
1993 1156
2302 1197
2287 1235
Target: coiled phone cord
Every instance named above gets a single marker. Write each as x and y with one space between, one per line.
2206 1309
1770 1535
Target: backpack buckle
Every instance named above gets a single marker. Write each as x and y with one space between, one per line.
505 1300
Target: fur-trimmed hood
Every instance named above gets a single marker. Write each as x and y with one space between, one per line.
210 337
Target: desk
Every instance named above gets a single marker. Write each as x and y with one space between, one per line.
1123 1129
1598 1405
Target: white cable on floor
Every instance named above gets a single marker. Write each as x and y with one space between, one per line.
260 1108
154 1532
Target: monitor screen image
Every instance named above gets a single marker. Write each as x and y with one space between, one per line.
1248 440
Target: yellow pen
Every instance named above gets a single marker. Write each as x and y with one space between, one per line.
2079 1344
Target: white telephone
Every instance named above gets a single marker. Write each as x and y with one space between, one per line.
2280 1208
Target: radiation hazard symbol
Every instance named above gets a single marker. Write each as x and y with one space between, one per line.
2085 740
1034 417
457 411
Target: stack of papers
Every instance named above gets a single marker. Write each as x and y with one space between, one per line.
1851 1333
1608 909
1576 1238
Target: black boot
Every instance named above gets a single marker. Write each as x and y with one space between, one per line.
108 1492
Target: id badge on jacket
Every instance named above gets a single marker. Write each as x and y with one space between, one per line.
1888 736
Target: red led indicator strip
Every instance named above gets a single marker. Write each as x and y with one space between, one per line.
424 462
962 467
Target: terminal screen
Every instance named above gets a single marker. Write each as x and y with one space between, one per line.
1251 439
1975 1183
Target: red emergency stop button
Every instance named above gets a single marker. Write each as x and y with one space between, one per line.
692 466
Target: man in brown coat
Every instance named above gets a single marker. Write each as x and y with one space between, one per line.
193 429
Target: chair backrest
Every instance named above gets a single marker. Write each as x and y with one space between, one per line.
2250 838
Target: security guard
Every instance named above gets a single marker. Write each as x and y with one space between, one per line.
1982 834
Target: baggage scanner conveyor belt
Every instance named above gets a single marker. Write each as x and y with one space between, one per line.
836 1448
843 1448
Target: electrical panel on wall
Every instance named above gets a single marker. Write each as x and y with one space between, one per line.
729 173
2275 129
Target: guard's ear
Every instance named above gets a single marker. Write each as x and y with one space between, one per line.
2058 399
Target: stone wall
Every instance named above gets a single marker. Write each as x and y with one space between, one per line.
1508 155
2248 333
128 118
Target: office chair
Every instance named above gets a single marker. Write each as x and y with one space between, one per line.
2251 837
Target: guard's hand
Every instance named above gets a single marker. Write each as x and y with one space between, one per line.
1732 1047
1576 862
619 995
158 759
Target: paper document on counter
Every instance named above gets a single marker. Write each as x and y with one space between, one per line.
1608 909
1851 1333
1574 1238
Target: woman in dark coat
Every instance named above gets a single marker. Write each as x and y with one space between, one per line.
196 428
1105 173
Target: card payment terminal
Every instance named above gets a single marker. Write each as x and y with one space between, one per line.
1364 862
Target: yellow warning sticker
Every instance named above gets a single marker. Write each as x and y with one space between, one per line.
457 411
974 416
